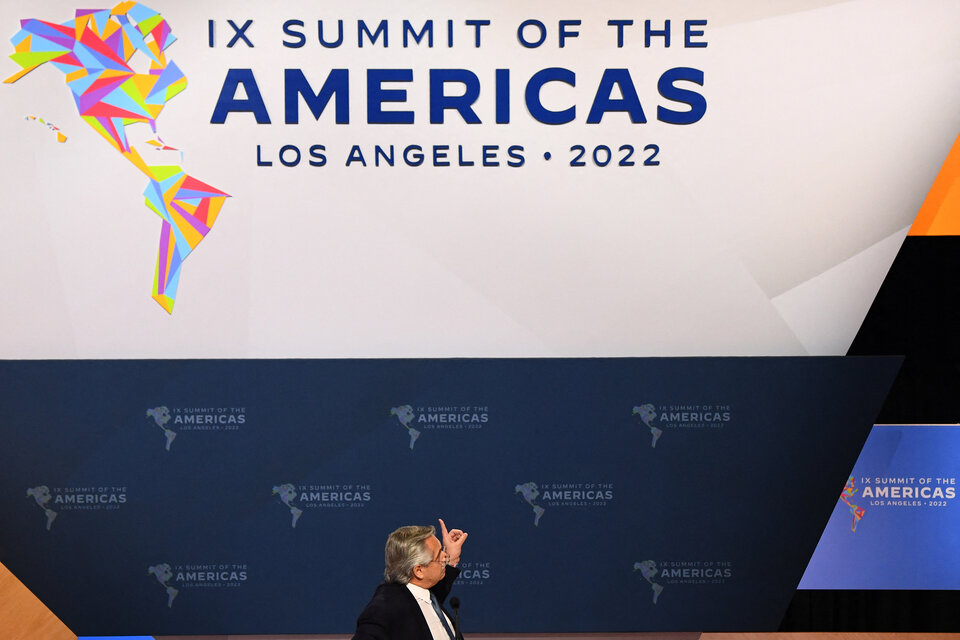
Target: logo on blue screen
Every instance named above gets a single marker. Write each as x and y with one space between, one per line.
174 421
661 573
564 495
899 492
474 573
82 498
660 418
298 498
440 417
178 577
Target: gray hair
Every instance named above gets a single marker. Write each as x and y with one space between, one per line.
406 548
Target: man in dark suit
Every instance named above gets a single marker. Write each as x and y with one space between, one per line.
419 572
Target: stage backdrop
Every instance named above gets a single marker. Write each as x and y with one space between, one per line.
213 180
470 179
255 496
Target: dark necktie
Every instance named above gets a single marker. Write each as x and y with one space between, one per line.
443 618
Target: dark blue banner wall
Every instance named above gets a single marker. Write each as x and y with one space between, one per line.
254 496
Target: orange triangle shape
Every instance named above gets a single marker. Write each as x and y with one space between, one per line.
23 615
940 213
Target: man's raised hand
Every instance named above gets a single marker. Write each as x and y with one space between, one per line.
452 542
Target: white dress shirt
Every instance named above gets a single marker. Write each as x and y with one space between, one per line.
426 608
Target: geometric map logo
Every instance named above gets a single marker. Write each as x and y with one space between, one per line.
846 496
288 494
648 414
405 416
161 416
530 493
648 569
440 417
94 50
41 495
163 574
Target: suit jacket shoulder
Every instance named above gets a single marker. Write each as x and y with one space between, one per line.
393 612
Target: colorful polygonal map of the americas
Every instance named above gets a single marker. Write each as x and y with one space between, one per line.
93 50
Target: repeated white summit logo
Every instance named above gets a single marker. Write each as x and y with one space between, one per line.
661 574
416 420
179 577
563 495
474 573
660 418
55 500
298 498
173 421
